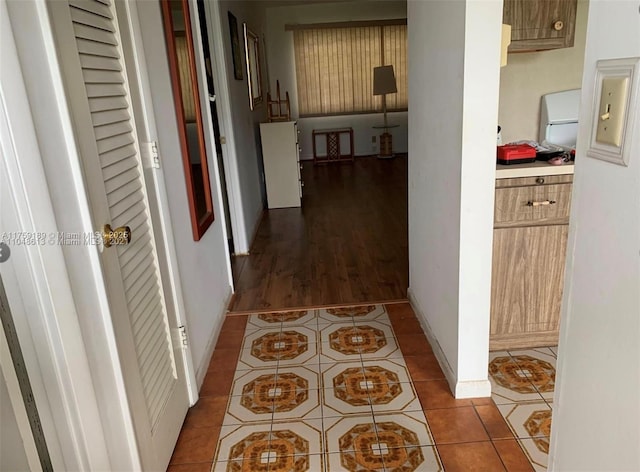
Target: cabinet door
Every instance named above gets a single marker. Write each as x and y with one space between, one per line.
508 281
535 23
526 284
545 255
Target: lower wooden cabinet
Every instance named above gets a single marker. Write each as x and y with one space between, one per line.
528 267
527 282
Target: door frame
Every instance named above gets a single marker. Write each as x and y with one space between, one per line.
215 29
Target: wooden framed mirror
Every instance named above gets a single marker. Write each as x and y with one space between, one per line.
252 52
184 82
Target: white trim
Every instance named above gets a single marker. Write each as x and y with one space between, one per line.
217 40
460 389
201 371
145 119
473 389
210 140
435 345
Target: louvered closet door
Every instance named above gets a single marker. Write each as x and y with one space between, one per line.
96 84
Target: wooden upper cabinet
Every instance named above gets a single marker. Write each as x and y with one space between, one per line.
537 25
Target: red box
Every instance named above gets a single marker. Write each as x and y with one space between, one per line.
516 154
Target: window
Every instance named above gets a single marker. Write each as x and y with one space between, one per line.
334 66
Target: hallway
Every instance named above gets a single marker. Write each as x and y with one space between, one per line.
343 389
347 244
347 387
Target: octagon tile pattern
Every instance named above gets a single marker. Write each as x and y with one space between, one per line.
329 390
268 394
357 340
277 346
373 339
523 382
271 392
283 448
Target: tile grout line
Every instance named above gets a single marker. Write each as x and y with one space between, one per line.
375 419
323 442
490 438
273 402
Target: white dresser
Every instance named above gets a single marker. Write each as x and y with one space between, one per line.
281 156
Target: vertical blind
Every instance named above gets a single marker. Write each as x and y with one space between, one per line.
188 98
334 68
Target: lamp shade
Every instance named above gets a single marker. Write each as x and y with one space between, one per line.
384 81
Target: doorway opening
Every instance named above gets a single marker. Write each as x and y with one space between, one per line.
216 126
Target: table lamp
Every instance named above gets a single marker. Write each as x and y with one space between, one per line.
384 82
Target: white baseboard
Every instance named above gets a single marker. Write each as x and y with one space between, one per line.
201 371
472 389
435 345
460 389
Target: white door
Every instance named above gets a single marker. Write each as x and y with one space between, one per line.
89 46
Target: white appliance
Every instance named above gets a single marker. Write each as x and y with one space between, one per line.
559 113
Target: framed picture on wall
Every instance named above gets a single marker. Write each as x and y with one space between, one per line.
236 47
252 51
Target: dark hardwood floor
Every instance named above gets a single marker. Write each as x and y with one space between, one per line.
347 244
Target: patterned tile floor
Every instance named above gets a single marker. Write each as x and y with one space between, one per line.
357 389
522 384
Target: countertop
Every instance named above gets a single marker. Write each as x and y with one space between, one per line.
531 170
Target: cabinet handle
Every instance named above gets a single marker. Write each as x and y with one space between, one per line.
542 203
302 183
558 25
299 149
300 166
540 180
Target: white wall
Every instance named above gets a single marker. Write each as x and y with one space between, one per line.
596 416
451 180
528 76
245 122
281 64
203 265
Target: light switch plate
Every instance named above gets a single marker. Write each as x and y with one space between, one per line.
613 103
614 98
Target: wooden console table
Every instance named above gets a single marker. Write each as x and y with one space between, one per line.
334 151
